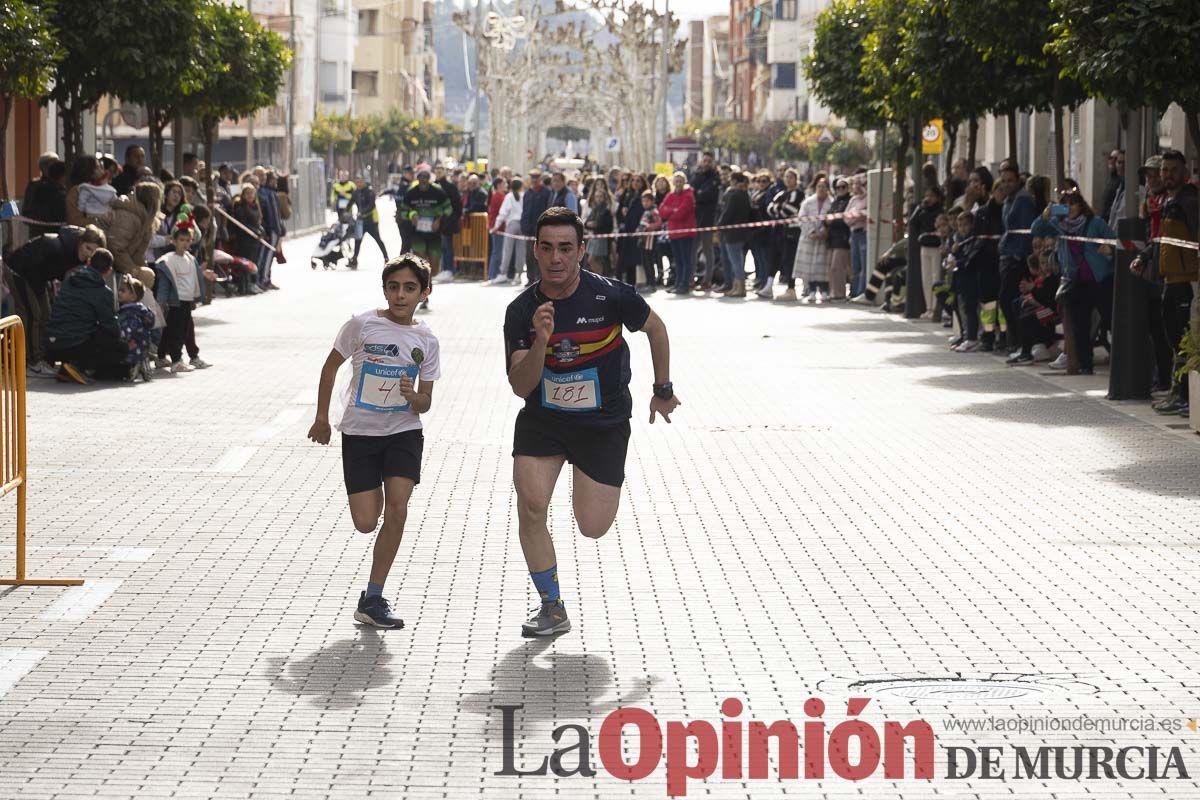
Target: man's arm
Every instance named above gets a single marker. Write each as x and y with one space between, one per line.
525 366
660 355
319 432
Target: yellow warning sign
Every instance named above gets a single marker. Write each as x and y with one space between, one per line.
933 138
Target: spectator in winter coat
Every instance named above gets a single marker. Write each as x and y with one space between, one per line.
46 197
83 331
736 211
678 212
131 225
706 184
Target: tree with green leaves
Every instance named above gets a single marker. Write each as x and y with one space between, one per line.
244 65
1134 53
170 65
28 53
1012 37
834 68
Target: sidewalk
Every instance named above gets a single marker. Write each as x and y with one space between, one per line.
841 508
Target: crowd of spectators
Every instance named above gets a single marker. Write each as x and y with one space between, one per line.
118 257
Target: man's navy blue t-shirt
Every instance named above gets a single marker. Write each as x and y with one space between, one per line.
585 376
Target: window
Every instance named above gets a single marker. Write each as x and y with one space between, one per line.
365 84
368 22
785 9
784 76
329 80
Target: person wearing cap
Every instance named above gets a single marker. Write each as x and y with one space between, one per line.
46 197
135 159
426 206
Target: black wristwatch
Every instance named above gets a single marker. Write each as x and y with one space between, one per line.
664 391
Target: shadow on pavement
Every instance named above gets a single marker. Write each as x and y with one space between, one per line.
1173 476
563 686
1053 409
339 675
1013 380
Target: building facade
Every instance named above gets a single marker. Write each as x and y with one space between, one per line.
395 66
749 21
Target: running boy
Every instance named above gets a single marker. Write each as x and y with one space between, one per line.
381 427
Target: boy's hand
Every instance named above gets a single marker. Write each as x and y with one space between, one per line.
408 389
320 432
543 321
210 275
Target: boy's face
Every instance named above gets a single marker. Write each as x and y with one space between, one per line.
647 202
964 226
125 293
403 292
182 241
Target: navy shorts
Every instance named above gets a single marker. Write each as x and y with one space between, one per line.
598 451
367 460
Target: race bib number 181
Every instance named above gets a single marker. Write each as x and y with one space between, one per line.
379 387
571 391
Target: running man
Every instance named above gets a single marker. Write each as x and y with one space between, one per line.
395 365
566 356
425 205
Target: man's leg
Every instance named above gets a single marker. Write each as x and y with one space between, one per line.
595 504
373 229
534 478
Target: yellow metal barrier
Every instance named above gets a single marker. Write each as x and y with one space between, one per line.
471 243
12 440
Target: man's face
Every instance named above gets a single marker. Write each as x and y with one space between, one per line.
725 173
137 159
1009 180
558 251
462 183
557 183
260 175
960 170
706 161
535 182
1172 174
439 173
343 175
1119 163
472 183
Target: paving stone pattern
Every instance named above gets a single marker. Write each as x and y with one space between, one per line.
839 500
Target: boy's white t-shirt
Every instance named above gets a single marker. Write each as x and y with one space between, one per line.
183 270
380 351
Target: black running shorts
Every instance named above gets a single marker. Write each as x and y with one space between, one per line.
367 460
598 451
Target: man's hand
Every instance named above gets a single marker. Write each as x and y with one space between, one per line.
1024 287
664 407
320 432
408 390
437 224
543 321
1137 267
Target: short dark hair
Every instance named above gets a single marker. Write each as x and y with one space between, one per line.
56 171
200 212
559 217
1173 155
985 177
190 157
708 153
181 229
129 150
101 260
418 265
137 287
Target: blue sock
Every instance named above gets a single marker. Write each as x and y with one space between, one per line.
374 589
546 583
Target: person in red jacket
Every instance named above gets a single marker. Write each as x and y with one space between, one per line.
678 213
495 200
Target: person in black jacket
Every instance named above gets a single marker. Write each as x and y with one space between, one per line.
46 198
135 159
367 224
736 211
837 240
32 268
83 331
706 185
450 224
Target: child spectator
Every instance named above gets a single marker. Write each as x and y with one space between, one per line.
182 285
137 326
97 194
649 225
966 282
83 331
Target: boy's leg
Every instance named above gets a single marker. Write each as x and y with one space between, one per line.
365 508
172 344
189 330
396 494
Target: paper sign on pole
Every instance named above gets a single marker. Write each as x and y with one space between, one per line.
667 169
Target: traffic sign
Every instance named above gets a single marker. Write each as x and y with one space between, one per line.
932 138
826 136
613 144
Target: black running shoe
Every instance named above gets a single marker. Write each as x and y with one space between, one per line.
375 611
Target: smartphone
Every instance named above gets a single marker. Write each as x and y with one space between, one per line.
1058 210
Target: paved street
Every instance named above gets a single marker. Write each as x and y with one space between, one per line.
842 508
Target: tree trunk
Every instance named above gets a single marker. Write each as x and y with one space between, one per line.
951 146
209 128
898 183
1060 150
1012 135
972 141
4 115
157 120
71 114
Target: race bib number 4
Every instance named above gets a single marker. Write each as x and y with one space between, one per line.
424 225
571 391
379 387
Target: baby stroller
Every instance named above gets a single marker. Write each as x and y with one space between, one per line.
337 243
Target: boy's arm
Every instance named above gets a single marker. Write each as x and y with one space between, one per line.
419 398
320 431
